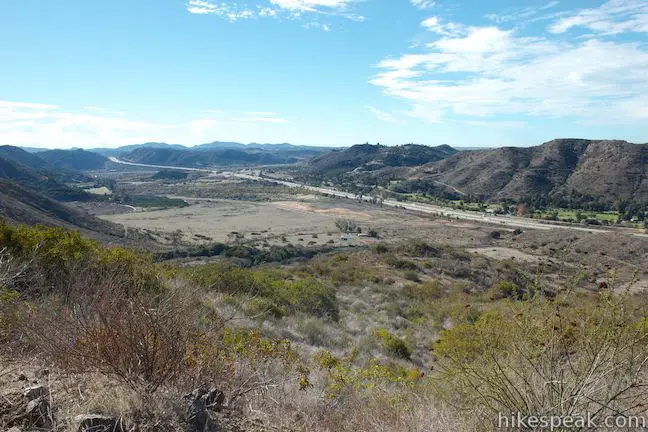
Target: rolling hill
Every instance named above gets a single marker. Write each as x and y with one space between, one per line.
80 160
22 157
368 157
568 170
34 173
20 205
277 149
189 158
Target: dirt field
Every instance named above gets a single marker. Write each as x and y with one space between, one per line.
309 220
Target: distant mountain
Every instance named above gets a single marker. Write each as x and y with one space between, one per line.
197 159
107 152
562 170
23 157
32 172
20 205
33 149
368 157
283 147
80 160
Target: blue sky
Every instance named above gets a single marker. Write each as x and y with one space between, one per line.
78 73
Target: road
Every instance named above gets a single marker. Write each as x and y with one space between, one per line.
509 221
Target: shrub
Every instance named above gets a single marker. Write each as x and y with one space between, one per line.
262 307
400 263
348 226
412 276
541 358
310 296
421 249
393 345
380 248
107 325
495 235
427 291
315 332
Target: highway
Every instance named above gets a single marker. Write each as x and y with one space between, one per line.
509 221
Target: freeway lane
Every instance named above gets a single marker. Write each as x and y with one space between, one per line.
509 221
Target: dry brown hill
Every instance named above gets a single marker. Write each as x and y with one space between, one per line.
577 169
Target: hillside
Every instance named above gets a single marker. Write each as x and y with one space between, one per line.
367 157
189 158
22 157
20 205
562 170
45 182
288 149
80 160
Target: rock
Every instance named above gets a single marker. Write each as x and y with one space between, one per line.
214 399
36 392
198 416
32 405
99 423
38 410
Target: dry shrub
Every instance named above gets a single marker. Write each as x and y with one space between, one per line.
546 358
107 322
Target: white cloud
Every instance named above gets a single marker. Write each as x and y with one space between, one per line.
9 105
529 13
479 72
317 25
312 5
94 108
613 17
42 125
434 25
291 9
232 12
383 115
423 4
261 113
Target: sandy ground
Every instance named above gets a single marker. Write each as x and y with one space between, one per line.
504 253
218 218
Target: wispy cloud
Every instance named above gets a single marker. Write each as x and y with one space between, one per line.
40 125
523 14
290 9
317 25
480 72
613 17
232 12
48 125
383 115
423 4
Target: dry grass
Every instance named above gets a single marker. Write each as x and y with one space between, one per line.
107 323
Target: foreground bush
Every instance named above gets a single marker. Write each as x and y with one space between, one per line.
112 324
567 357
280 295
50 256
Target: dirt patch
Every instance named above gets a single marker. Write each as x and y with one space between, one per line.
502 253
336 211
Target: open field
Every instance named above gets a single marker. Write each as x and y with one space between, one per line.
309 220
262 267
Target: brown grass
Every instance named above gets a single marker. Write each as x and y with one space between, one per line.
106 323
